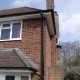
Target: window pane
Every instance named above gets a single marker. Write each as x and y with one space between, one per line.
10 77
5 34
6 25
24 78
16 30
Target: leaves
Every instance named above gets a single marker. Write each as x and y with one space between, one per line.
71 53
72 76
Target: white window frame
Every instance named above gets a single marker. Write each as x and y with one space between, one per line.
11 23
19 76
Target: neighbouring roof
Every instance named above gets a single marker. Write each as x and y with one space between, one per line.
14 58
17 10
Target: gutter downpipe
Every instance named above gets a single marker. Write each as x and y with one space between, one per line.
42 47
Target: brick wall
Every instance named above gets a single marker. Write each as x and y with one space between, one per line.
31 41
31 44
47 52
55 74
53 51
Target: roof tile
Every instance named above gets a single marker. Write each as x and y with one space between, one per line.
17 10
15 58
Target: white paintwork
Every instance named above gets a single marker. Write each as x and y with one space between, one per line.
16 73
2 77
10 27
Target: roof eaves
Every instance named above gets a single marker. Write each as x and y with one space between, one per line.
25 13
34 12
19 8
18 68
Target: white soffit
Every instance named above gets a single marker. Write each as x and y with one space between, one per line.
16 71
49 22
47 15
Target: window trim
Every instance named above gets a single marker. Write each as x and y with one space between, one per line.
11 23
20 75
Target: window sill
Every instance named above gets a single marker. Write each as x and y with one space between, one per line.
11 40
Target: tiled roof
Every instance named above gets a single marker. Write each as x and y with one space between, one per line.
17 10
14 58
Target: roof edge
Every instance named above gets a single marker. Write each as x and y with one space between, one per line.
19 8
24 58
34 12
26 13
18 68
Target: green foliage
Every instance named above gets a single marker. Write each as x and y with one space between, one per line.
71 59
71 53
72 76
76 61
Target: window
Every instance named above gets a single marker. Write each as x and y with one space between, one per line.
16 30
24 78
10 31
10 77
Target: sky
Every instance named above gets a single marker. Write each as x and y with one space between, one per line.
69 16
68 10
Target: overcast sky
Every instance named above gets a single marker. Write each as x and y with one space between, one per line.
69 13
68 10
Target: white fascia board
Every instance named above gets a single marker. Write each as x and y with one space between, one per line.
13 18
15 71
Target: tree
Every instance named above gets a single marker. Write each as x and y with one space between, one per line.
71 53
72 76
71 59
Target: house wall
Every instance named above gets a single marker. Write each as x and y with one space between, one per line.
53 52
31 40
47 52
31 43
